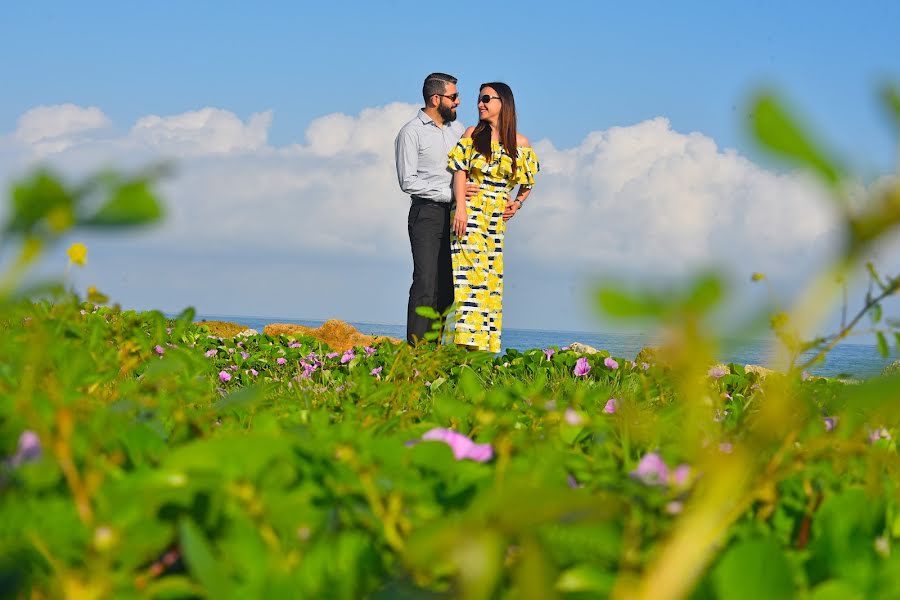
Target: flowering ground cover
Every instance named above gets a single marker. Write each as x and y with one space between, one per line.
146 458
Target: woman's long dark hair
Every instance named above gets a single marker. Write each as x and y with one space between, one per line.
481 137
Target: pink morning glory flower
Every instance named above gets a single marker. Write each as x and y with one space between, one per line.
281 360
210 353
28 449
609 362
369 350
245 355
830 423
652 470
879 434
159 350
376 372
254 372
332 354
611 406
645 366
717 372
224 376
549 352
582 367
347 357
294 345
681 475
572 417
462 446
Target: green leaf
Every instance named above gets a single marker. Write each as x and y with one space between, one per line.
586 578
131 204
875 315
41 197
891 97
779 133
705 293
882 344
201 562
835 590
753 569
618 303
427 312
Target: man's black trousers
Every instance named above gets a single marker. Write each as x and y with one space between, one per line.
432 285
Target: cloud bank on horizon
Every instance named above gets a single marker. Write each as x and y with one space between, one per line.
315 229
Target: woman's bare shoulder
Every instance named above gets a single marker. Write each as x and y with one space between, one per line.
468 132
522 141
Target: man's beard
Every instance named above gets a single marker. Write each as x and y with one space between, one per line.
447 113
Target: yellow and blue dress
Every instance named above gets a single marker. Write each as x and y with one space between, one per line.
477 256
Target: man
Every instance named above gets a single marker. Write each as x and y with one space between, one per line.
421 150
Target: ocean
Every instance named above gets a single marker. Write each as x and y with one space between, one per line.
847 359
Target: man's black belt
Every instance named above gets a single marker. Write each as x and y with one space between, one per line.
417 201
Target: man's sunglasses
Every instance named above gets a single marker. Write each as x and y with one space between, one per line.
487 99
452 97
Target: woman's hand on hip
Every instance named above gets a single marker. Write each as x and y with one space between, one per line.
512 207
460 220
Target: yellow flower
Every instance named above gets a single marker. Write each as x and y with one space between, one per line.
77 254
95 296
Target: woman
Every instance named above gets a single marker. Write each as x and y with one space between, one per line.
496 157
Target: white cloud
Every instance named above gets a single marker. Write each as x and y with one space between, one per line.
205 131
642 199
55 128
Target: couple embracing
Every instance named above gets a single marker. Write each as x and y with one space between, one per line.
460 182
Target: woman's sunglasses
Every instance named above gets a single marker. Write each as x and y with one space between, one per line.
487 99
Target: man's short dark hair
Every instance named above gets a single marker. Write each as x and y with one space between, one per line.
436 83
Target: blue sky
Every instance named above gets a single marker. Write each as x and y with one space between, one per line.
579 69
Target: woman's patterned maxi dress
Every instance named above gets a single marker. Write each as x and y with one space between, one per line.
478 255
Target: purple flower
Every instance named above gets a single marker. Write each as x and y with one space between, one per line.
726 447
254 372
830 423
332 354
572 482
281 360
462 446
369 350
645 366
245 355
879 434
681 475
159 349
224 376
376 372
611 406
805 375
674 507
717 372
210 353
347 357
28 450
652 470
294 345
582 367
572 417
609 362
549 352
168 331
